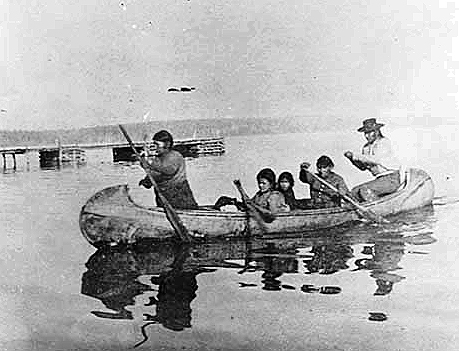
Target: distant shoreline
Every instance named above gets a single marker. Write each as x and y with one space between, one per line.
180 129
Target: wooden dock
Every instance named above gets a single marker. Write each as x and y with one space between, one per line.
55 155
188 148
13 152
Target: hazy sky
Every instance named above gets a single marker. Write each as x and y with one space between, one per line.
70 63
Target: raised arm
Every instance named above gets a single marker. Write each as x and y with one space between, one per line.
383 155
305 176
356 162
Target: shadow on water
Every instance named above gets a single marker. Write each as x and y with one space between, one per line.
113 274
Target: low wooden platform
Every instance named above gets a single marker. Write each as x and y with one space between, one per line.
55 156
13 152
188 148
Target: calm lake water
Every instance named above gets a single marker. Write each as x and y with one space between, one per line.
369 287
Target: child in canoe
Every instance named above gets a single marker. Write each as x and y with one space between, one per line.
285 184
321 195
267 200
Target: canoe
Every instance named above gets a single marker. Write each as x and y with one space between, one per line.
111 216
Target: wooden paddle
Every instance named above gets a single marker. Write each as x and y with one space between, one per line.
364 211
171 215
251 209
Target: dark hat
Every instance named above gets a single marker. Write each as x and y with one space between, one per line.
164 136
324 161
268 174
369 125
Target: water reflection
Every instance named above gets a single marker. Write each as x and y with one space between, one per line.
112 278
273 262
165 275
113 274
383 261
329 258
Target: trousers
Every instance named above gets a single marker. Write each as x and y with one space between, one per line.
377 187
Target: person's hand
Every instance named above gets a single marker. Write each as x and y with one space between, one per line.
349 155
249 202
237 182
305 165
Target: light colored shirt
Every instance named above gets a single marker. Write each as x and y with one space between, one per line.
380 157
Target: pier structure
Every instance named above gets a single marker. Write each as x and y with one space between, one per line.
56 155
188 148
13 153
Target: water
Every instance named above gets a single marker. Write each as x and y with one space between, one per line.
315 292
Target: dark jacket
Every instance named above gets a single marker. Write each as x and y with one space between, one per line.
321 195
169 173
290 199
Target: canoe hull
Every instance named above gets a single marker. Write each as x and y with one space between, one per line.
111 216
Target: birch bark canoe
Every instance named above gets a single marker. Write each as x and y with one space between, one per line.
111 216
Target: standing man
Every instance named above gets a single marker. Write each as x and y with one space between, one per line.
167 167
377 157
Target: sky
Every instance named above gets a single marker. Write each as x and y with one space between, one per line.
79 63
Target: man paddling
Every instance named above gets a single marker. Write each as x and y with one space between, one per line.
167 168
321 195
378 157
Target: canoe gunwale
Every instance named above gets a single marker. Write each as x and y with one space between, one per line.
242 215
114 206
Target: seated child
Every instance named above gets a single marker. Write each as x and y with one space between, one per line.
285 184
267 200
321 195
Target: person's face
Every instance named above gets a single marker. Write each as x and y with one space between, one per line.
324 172
284 184
158 147
264 184
370 136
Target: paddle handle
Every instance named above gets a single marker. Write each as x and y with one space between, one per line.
241 190
171 215
251 209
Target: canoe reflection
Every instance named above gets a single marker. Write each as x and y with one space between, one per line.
112 276
165 275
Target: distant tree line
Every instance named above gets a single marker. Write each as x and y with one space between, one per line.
182 129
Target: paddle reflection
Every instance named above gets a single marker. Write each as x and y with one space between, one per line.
165 275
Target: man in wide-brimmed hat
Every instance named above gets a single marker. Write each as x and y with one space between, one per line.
377 157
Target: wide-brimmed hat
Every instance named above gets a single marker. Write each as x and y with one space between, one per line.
370 125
